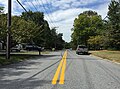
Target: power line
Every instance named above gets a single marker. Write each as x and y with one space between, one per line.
34 6
50 9
39 10
27 12
47 12
47 17
22 6
38 6
28 4
105 17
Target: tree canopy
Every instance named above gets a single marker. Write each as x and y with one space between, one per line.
89 29
30 28
87 24
114 24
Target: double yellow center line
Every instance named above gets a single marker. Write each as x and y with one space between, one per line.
62 67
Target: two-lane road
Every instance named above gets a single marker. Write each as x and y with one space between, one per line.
61 70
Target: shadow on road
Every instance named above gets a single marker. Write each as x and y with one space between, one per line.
84 54
24 67
30 84
32 55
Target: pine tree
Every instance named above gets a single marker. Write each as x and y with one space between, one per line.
114 21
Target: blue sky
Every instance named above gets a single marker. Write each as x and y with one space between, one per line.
60 13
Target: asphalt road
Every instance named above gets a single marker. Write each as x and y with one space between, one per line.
77 71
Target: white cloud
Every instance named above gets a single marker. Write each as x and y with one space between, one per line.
15 6
83 2
102 9
65 18
5 3
62 3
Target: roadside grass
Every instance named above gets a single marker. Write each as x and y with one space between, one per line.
106 54
45 52
20 56
13 59
32 52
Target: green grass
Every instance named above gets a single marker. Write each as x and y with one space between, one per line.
13 59
110 55
20 56
32 52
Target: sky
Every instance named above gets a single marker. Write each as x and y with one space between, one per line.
59 13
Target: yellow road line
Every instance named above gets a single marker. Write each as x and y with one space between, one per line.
55 78
62 76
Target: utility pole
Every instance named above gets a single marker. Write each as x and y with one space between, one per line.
8 30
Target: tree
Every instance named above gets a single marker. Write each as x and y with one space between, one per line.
60 42
3 24
96 42
31 28
22 31
3 27
114 24
36 17
88 23
40 35
1 10
44 36
67 45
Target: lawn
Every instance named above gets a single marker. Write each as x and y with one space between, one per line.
19 56
110 55
13 59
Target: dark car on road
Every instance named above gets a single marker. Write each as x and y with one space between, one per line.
33 48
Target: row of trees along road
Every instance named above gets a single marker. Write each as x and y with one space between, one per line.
30 27
89 29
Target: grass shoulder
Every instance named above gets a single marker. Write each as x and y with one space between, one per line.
20 56
106 54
